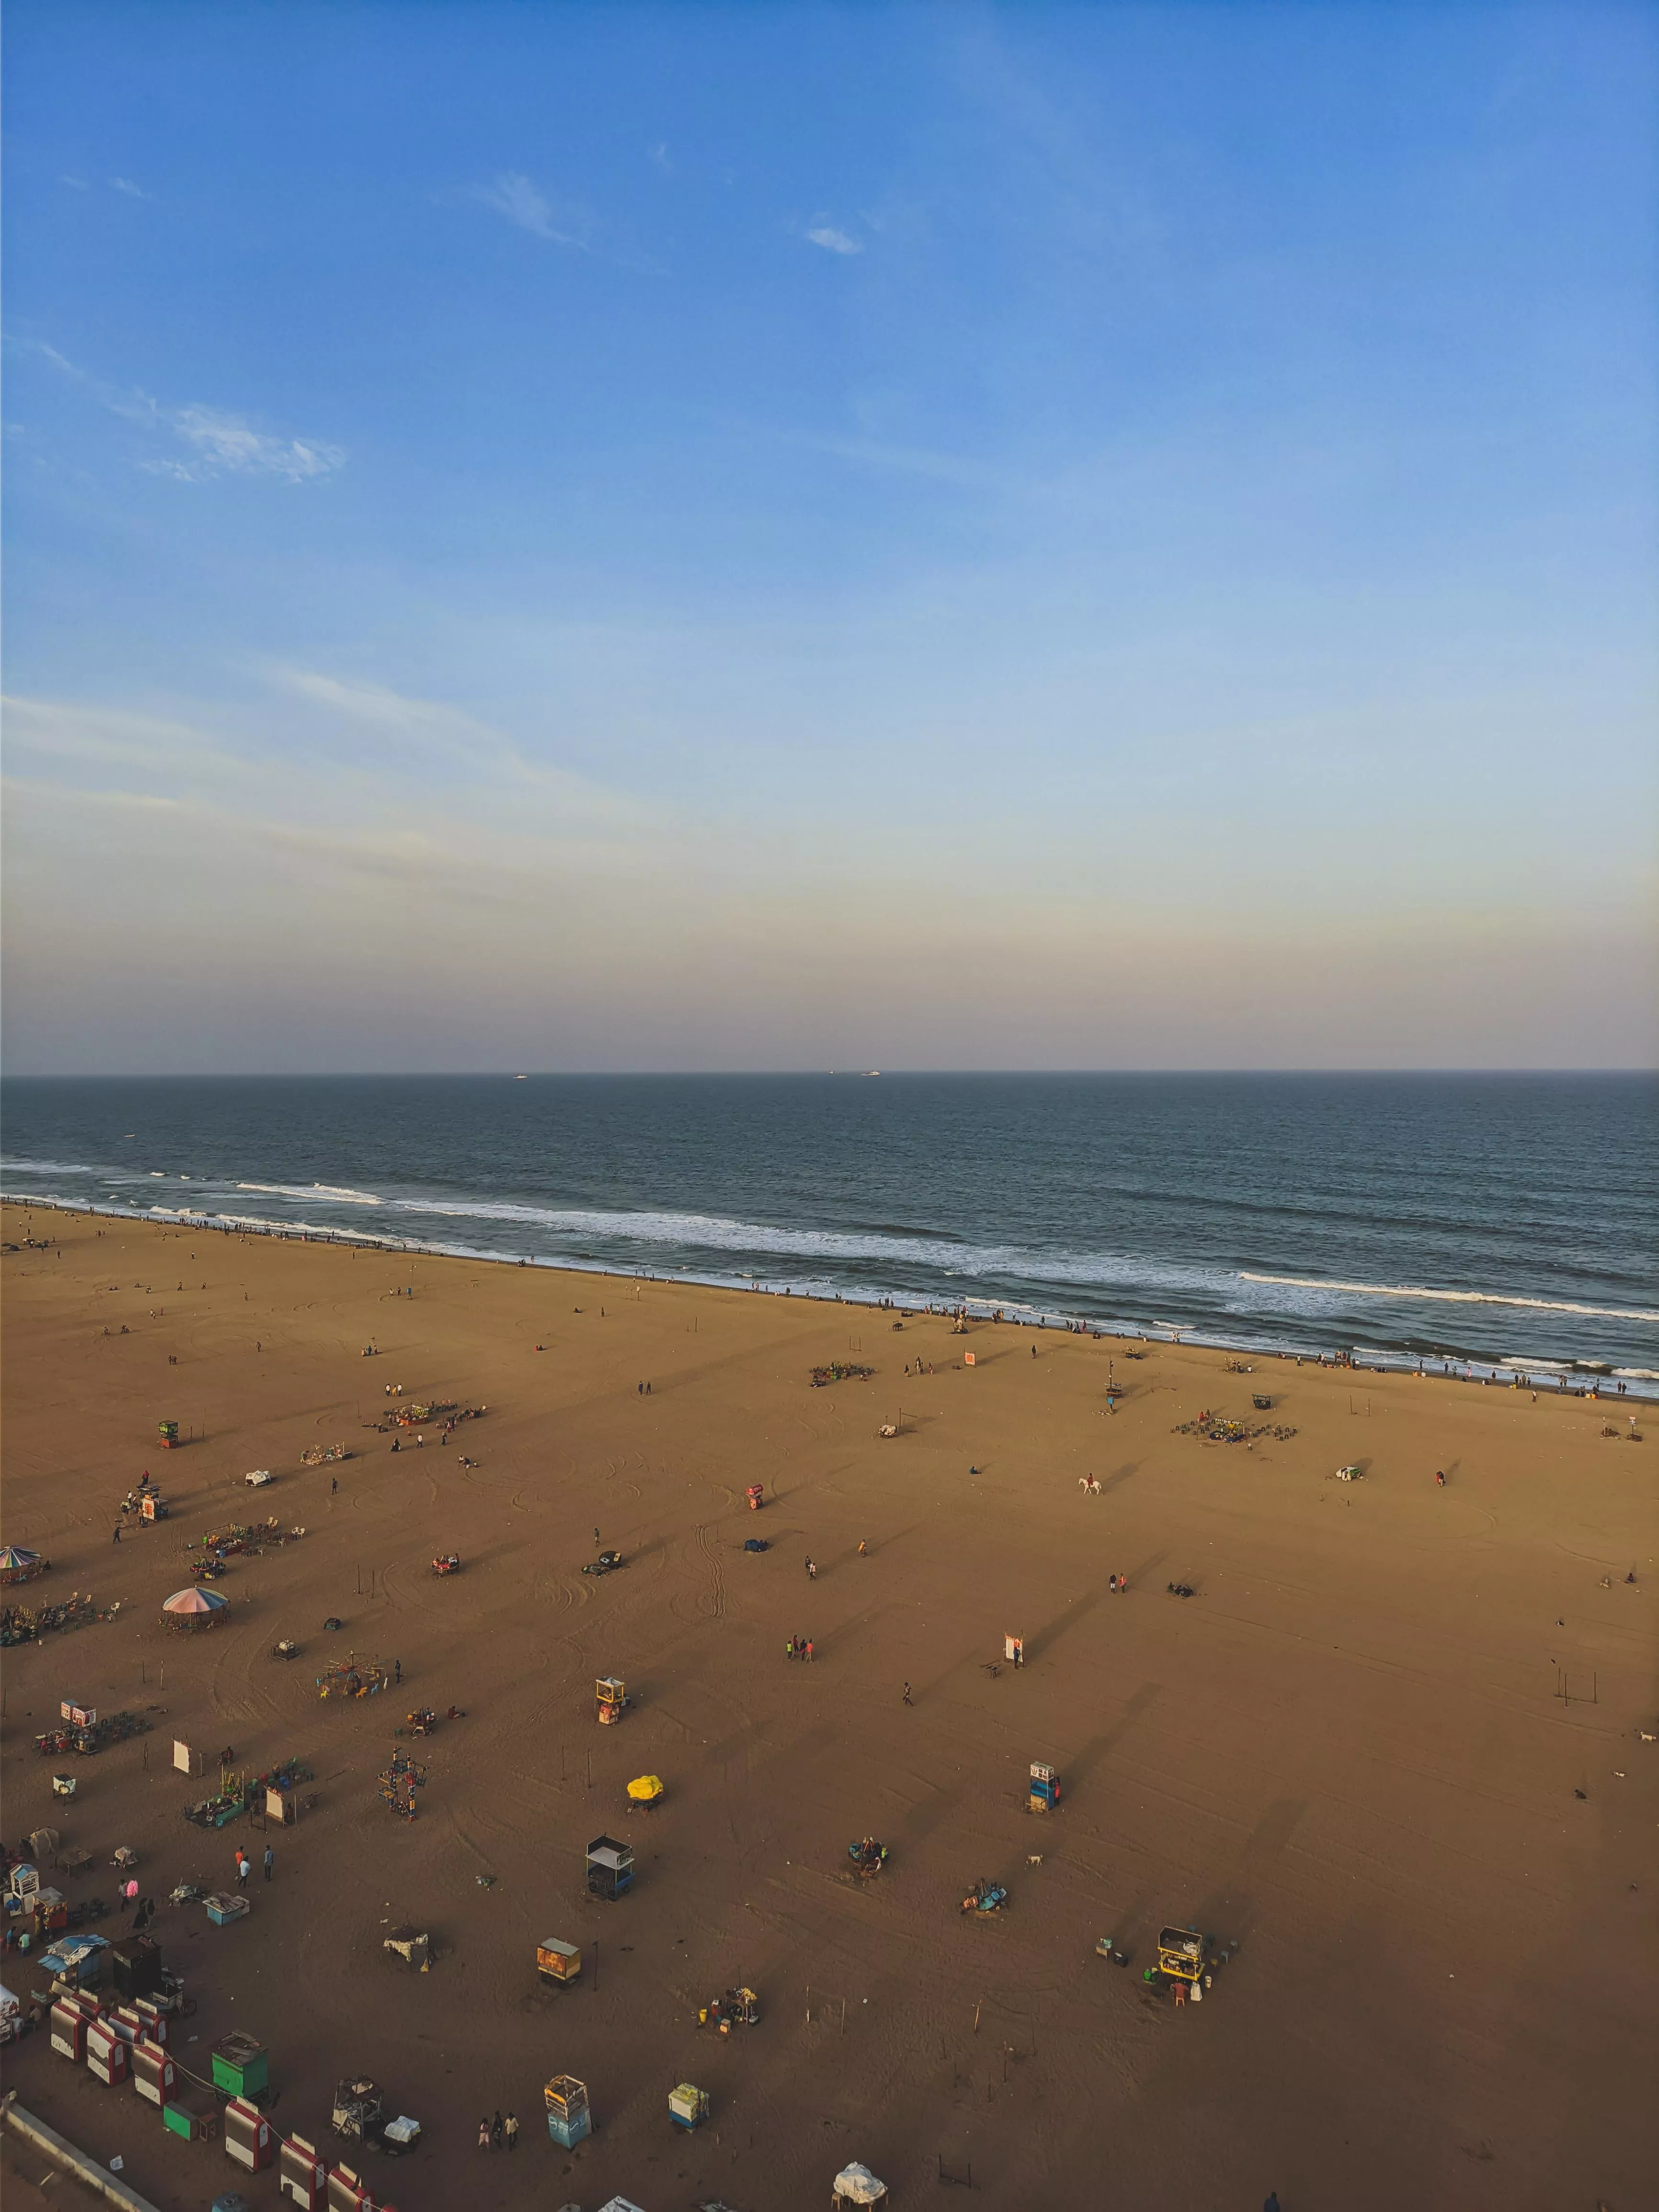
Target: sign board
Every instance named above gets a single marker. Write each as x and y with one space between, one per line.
77 1716
186 1760
967 1358
1013 1648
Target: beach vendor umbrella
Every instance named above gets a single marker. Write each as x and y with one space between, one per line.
195 1608
12 1557
645 1789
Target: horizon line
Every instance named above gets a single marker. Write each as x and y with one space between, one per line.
507 1074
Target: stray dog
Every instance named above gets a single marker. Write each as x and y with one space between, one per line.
1034 1858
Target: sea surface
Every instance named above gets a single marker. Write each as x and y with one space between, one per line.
1489 1218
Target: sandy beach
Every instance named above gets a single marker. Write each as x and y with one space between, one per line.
1346 1752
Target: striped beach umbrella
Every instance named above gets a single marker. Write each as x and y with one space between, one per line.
195 1608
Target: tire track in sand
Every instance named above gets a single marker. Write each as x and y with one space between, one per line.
710 1549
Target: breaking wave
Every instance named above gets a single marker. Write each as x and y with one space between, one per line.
314 1191
1451 1298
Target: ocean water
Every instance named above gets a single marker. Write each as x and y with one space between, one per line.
1483 1218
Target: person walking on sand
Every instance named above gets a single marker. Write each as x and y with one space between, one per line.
115 1534
510 2129
270 1862
495 2130
1179 1990
397 1671
812 1570
484 2136
809 1647
244 1868
908 1700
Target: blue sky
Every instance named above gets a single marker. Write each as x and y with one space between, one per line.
766 536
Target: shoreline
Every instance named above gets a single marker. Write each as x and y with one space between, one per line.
1581 1379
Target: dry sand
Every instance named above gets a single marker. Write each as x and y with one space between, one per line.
1346 1751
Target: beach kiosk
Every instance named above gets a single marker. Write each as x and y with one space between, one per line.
568 2118
610 1698
556 1961
1045 1789
241 2067
137 1965
247 2137
107 2056
1179 1954
687 2105
153 2074
302 2175
69 2020
347 2191
610 1869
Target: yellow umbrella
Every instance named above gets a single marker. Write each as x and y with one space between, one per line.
645 1789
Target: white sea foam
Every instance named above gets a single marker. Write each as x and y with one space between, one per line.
716 1233
47 1167
1452 1298
314 1191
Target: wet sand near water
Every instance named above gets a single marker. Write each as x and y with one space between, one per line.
1345 1753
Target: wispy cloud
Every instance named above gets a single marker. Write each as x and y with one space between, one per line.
61 734
224 445
216 444
377 707
832 239
658 153
514 196
442 738
125 185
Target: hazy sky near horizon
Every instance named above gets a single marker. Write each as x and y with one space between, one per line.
687 536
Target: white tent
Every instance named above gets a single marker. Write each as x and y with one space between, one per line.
856 2184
